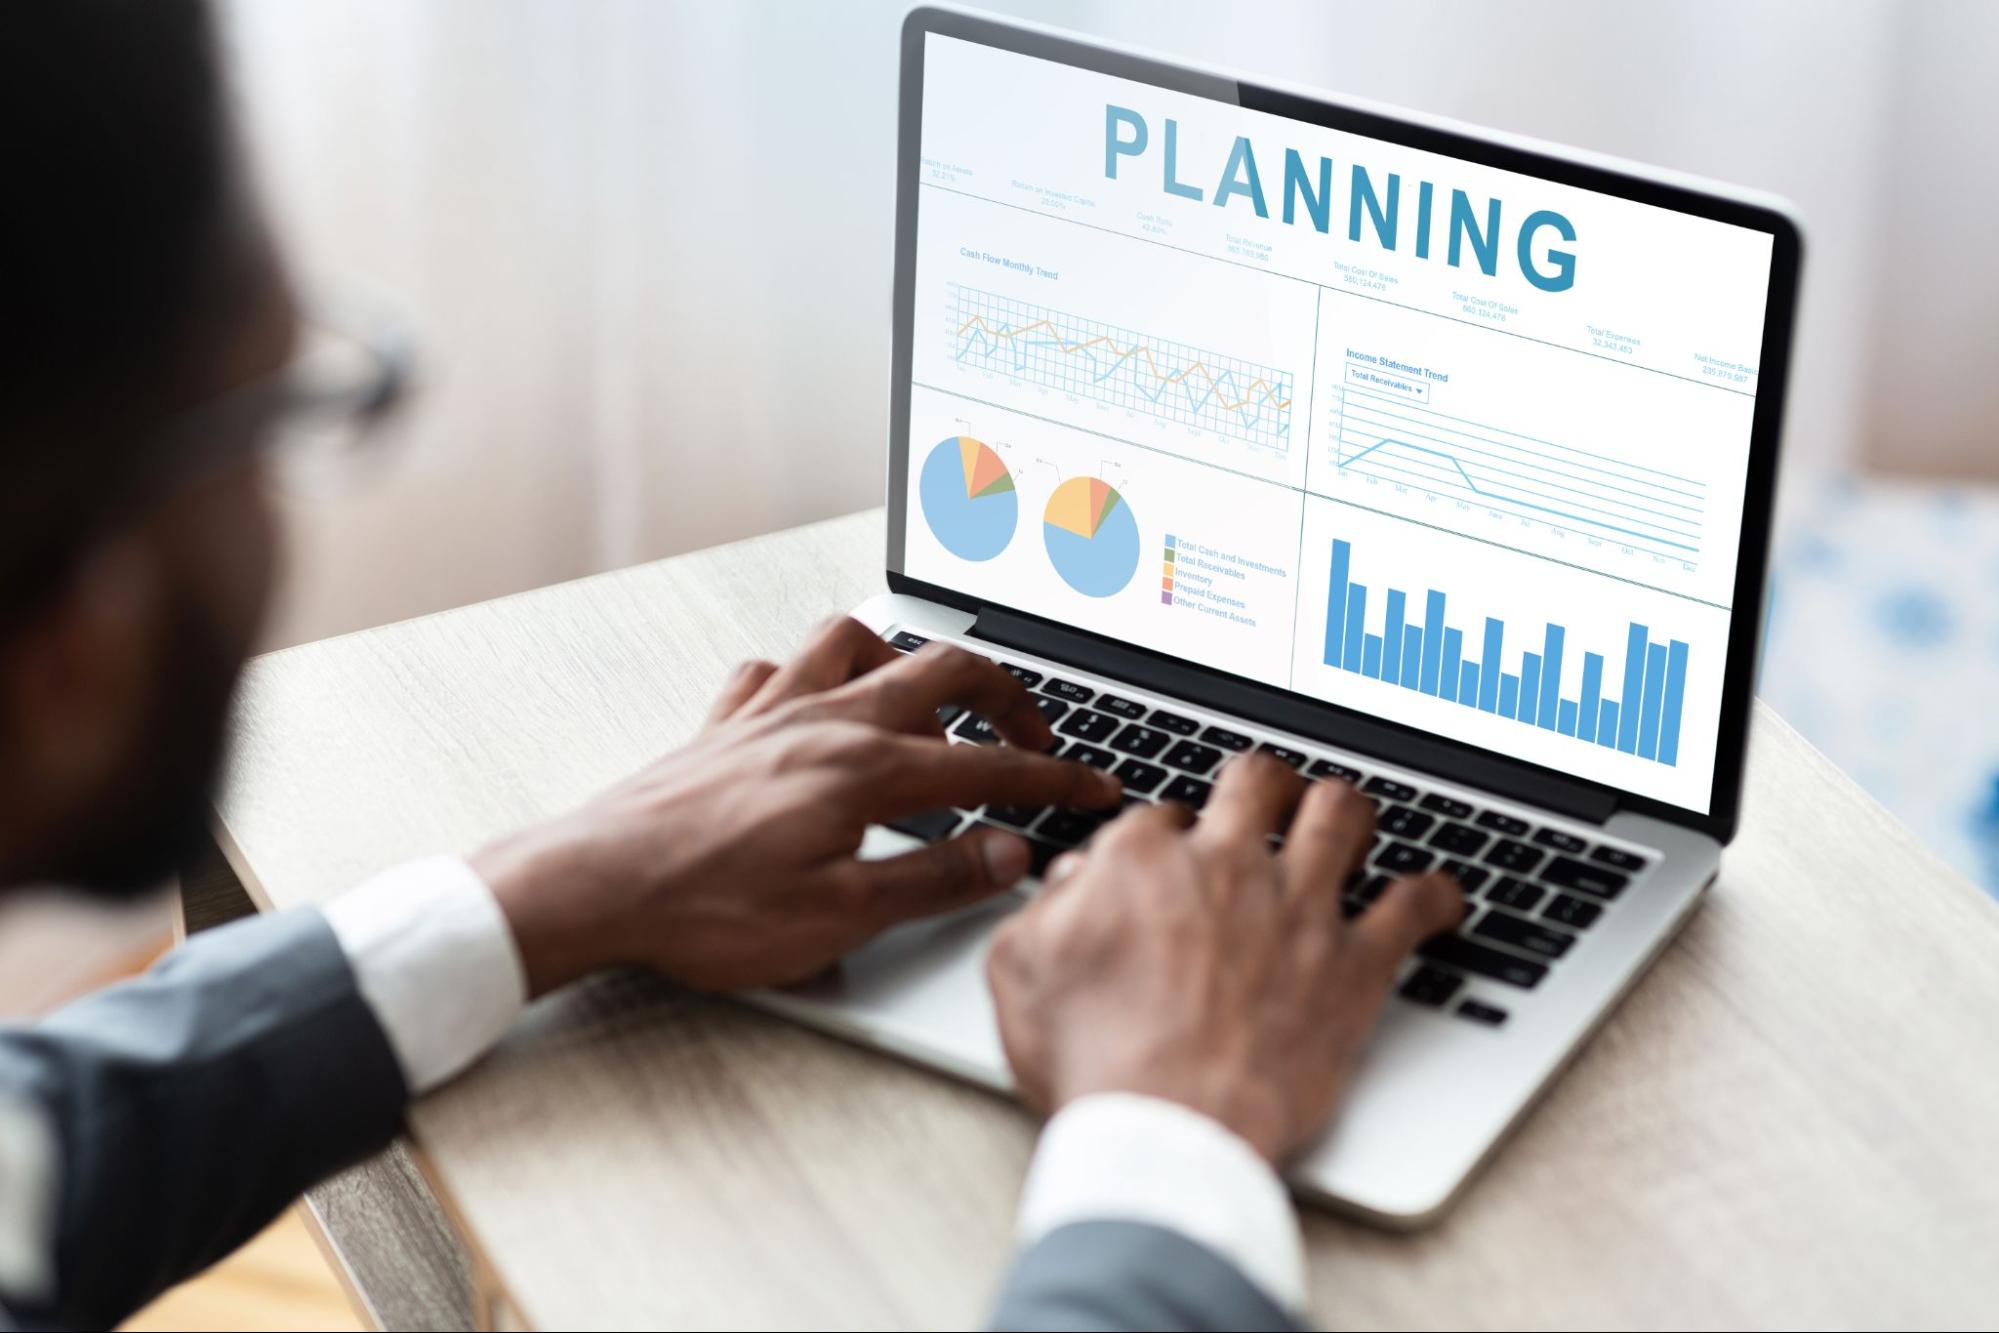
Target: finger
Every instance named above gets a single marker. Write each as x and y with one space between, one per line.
1329 835
939 878
906 774
1253 798
1411 911
1061 868
907 695
745 681
842 649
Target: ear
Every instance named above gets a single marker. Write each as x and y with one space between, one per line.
75 679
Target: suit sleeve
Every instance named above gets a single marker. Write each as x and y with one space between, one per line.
191 1104
1114 1274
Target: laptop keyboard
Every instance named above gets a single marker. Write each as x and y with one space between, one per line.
1533 889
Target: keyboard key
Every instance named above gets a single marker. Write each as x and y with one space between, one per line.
1015 816
1139 775
906 641
1070 827
948 714
1136 740
977 730
1560 841
1565 872
1526 936
1190 792
1448 806
1575 913
1458 839
1173 722
1228 740
1456 951
1490 1015
1068 689
1088 725
1431 986
1516 893
1373 887
1052 709
929 825
1131 800
1510 855
1403 822
1618 859
1399 858
1326 768
1507 824
1025 675
1389 788
1193 756
1295 758
1079 753
1468 876
1128 709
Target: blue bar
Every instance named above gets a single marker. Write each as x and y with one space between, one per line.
1468 684
1567 726
1336 604
1655 689
1356 608
1488 674
1551 677
1592 696
1433 639
1412 655
1530 686
1391 638
1669 720
1634 681
1370 659
1447 679
1509 693
1606 727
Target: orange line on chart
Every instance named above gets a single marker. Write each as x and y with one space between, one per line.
1139 349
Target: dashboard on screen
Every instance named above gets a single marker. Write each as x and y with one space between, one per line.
1441 443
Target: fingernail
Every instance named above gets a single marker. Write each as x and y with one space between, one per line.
1006 858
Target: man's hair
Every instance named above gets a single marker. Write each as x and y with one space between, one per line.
121 220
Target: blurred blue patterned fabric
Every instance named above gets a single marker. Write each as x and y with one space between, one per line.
1883 650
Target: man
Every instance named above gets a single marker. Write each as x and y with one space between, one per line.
1183 1003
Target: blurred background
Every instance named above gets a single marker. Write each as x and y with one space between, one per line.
646 249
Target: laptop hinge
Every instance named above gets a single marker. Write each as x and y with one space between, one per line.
1282 712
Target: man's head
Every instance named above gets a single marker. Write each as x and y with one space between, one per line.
132 576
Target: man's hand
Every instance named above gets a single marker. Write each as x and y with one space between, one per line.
1190 962
731 863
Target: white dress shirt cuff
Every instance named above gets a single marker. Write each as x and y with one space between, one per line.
1119 1156
435 960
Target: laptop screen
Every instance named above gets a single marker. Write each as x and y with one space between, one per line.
1444 444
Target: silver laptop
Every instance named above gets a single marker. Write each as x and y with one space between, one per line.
1229 416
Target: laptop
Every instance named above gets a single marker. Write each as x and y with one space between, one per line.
1231 416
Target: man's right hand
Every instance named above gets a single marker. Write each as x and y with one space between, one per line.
1188 961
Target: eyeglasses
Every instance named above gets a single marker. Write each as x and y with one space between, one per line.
317 418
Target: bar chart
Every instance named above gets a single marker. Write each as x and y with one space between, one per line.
1417 649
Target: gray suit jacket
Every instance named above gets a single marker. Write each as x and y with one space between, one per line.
194 1103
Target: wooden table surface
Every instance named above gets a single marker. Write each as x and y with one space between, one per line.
1794 1120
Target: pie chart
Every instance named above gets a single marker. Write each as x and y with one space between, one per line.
968 498
1092 537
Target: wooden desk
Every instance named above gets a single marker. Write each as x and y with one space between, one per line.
1794 1121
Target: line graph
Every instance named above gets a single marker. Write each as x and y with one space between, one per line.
1413 446
1122 367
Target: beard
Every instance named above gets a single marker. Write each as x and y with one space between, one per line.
154 817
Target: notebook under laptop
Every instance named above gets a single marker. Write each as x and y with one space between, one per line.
1433 459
